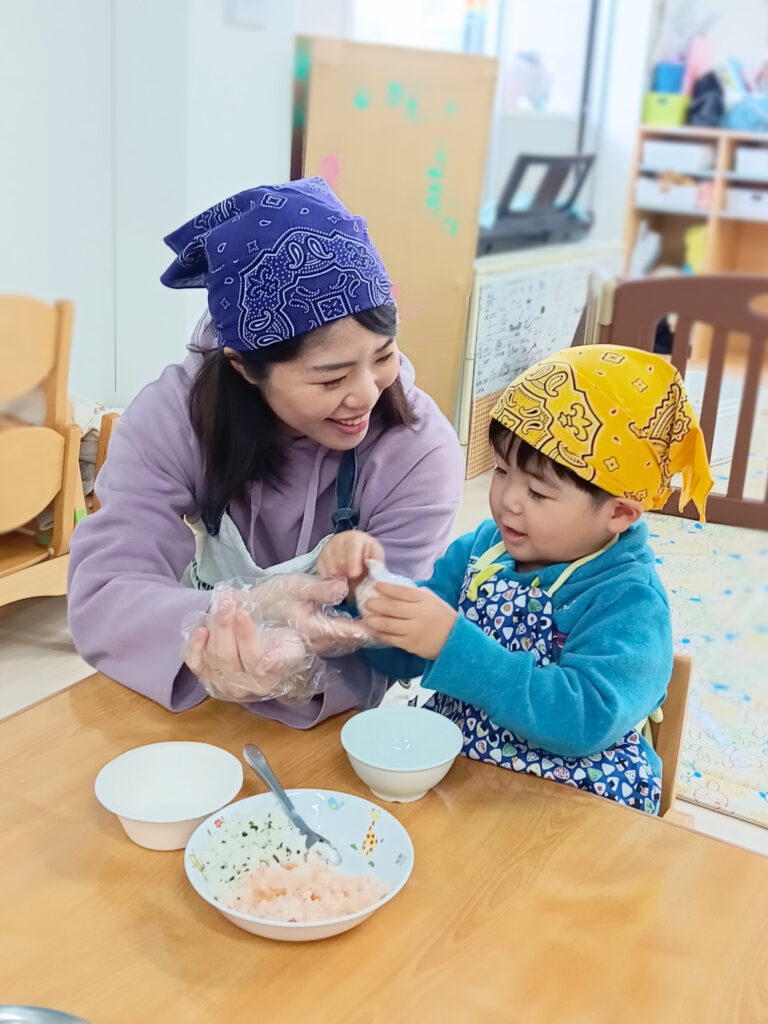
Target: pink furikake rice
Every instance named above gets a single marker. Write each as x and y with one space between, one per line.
309 890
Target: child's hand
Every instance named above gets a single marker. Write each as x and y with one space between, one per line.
345 555
412 618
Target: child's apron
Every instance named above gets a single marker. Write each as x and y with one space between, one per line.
520 618
221 554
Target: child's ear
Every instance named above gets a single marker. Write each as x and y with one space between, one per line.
625 512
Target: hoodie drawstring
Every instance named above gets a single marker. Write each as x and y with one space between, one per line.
310 505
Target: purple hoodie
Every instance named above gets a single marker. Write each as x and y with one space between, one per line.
126 605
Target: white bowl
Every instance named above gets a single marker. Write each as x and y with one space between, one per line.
161 792
343 819
400 753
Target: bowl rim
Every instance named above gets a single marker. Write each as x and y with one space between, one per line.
154 818
378 765
298 925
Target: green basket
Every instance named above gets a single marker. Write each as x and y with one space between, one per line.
665 108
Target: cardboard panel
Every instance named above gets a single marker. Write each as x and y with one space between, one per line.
401 135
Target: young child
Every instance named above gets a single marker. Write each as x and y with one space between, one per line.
546 633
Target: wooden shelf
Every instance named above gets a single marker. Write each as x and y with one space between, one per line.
672 212
688 174
690 132
751 179
727 215
735 242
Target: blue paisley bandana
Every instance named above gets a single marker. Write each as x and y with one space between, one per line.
278 261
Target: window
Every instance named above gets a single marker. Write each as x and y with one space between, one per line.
454 25
543 55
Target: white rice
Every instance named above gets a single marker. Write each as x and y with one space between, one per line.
238 846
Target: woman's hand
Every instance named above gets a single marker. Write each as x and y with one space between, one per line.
235 659
412 618
281 598
346 554
302 603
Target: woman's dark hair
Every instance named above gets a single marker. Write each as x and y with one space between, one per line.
236 427
526 456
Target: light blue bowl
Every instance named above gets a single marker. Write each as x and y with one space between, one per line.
400 753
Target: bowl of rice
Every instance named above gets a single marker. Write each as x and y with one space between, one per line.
251 863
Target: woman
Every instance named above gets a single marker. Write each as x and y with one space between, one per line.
294 415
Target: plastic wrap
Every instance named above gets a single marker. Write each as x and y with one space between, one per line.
377 573
267 640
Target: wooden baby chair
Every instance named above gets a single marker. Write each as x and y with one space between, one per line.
732 305
108 421
667 738
37 464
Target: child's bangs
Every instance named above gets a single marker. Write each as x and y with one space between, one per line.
527 458
530 460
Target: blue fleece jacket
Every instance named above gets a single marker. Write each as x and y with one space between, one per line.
613 668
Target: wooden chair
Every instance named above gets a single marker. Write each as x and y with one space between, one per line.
628 313
668 736
37 464
108 421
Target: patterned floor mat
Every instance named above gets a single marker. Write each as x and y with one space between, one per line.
717 581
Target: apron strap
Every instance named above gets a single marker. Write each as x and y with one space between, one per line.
570 569
484 568
346 516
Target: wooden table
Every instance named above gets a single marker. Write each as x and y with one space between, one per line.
528 902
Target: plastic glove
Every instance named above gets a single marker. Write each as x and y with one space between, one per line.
307 604
263 640
238 659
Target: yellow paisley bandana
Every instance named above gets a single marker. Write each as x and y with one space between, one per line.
618 417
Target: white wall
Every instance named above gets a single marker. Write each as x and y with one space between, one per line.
56 170
238 106
150 134
204 101
129 117
333 18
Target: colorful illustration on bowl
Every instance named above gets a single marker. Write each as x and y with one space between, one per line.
370 842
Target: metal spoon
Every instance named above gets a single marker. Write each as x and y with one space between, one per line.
260 765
